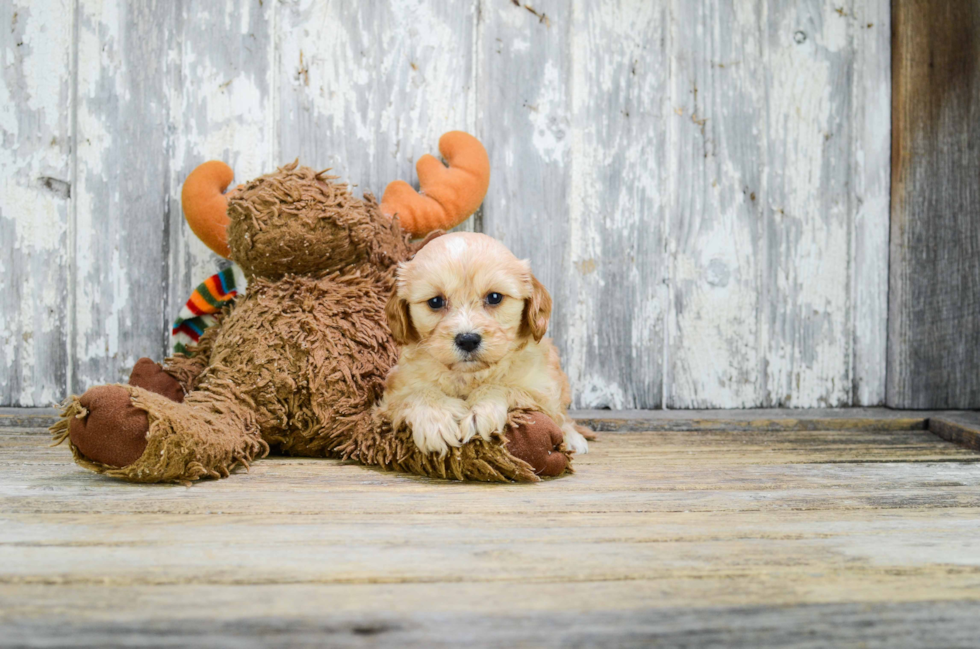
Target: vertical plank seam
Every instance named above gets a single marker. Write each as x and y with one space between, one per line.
670 202
174 49
762 268
895 320
568 170
275 147
472 113
894 261
73 205
849 304
883 400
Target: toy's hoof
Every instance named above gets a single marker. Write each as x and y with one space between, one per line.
112 431
537 443
150 376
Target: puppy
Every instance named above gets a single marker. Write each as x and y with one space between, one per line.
471 319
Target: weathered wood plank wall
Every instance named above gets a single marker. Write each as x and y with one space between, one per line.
35 201
121 184
703 185
934 322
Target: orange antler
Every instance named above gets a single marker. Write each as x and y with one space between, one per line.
448 195
205 206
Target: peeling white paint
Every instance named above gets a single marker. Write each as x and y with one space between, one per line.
808 359
226 114
600 394
45 76
676 172
368 131
718 186
871 146
35 47
547 115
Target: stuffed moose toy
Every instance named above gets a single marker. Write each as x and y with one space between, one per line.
297 365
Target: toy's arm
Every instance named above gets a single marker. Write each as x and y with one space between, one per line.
448 195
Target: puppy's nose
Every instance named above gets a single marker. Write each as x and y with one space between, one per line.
468 342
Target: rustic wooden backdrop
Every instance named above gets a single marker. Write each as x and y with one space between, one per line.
703 184
934 291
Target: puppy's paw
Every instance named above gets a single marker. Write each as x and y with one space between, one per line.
434 429
574 441
484 419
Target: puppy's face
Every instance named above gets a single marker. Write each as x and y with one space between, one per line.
467 301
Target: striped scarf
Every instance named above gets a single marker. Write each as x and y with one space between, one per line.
212 295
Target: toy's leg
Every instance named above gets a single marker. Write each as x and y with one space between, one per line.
128 432
531 447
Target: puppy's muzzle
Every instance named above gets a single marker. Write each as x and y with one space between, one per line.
468 342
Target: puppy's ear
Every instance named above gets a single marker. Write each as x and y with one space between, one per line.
537 311
400 320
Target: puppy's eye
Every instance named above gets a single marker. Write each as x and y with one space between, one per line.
437 303
494 298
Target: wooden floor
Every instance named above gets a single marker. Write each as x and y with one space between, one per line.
751 538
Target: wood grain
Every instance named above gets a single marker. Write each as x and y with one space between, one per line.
807 215
774 118
368 88
123 136
735 471
646 420
611 289
702 185
222 109
736 538
716 240
962 429
36 61
766 419
318 617
524 111
934 282
869 194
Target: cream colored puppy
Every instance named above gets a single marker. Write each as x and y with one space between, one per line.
471 320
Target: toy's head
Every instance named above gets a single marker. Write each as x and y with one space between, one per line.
298 221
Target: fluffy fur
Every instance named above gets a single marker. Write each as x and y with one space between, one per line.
297 365
448 395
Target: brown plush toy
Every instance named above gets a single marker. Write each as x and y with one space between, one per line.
298 364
